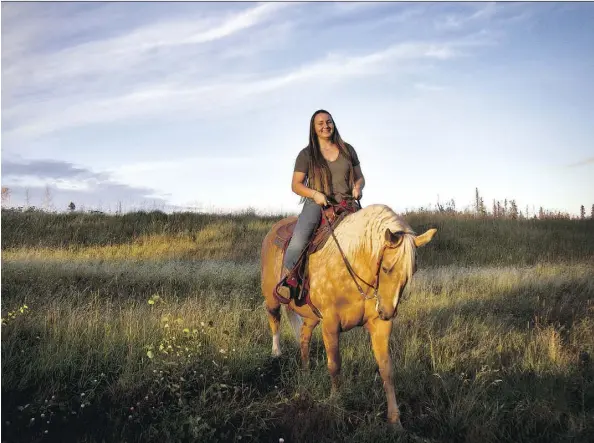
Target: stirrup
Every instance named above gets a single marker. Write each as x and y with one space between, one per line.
289 280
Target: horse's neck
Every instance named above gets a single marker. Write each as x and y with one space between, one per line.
359 241
363 233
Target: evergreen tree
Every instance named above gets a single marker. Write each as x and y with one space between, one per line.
47 198
513 211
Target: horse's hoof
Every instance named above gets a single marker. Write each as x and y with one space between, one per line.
396 426
335 394
276 353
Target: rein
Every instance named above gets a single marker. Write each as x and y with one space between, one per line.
375 284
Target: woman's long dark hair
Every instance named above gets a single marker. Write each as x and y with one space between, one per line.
319 172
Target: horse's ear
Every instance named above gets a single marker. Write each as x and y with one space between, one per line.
424 238
393 238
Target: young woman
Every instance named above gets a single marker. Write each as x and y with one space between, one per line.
327 170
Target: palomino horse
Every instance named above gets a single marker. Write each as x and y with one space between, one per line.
381 250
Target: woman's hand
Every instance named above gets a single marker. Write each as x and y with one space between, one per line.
320 199
357 194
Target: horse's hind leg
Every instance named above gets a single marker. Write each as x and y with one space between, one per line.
274 318
309 325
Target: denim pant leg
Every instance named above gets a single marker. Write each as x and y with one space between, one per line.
306 223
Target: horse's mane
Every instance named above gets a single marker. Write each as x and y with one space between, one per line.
362 235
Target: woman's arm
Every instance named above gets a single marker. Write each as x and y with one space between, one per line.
300 189
359 181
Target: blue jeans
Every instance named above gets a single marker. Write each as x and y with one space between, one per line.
307 221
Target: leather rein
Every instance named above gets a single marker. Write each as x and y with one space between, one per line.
354 275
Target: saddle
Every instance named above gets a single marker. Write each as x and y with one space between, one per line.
298 278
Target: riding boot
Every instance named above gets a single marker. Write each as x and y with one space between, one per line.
288 278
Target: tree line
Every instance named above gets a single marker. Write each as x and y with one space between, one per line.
507 209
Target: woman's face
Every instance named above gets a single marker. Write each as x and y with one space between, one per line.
324 126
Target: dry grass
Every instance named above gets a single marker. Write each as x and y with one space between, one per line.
482 353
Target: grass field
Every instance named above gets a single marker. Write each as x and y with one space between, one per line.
150 327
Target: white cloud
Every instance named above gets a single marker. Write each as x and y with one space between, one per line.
492 13
140 47
235 23
194 100
455 21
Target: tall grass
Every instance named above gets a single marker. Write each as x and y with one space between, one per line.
170 345
461 240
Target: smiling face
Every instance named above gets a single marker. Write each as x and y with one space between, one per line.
323 126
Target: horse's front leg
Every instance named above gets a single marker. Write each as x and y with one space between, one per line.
330 334
379 331
309 325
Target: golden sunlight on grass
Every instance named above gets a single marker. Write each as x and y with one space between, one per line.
206 245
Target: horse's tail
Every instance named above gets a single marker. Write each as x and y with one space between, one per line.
296 321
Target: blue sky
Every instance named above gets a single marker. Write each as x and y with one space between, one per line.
206 105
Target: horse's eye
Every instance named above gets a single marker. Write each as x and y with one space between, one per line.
386 270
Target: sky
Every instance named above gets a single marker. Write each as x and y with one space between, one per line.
205 106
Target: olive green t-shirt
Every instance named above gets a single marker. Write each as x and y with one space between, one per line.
339 170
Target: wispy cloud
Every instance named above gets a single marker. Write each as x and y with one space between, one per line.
168 97
175 66
584 162
132 56
481 14
485 11
107 78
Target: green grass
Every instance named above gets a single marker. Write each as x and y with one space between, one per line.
495 346
462 240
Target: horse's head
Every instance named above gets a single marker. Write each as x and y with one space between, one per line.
397 265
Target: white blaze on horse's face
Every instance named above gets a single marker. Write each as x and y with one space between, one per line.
324 125
392 280
398 266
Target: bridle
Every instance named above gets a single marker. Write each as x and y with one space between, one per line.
375 284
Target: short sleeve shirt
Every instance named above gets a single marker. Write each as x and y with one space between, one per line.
339 170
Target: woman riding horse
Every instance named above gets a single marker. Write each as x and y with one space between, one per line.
357 278
326 171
